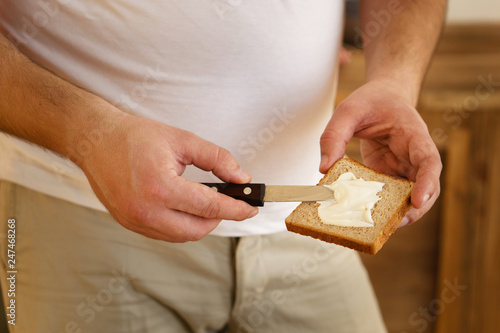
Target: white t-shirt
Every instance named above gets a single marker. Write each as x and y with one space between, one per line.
255 77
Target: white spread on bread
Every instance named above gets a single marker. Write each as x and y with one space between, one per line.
354 200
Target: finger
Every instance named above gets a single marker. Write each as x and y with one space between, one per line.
210 157
200 200
334 139
380 157
427 188
415 214
405 220
175 226
428 164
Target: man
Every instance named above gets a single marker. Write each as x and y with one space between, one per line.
142 98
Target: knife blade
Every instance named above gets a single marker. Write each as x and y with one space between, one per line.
256 194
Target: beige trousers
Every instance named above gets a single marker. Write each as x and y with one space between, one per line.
79 271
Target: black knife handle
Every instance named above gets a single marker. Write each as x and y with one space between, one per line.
252 194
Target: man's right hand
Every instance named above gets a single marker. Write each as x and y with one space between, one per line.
135 167
136 173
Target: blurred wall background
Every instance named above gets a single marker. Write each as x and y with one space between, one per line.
470 11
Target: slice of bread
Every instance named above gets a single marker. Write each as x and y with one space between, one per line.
386 214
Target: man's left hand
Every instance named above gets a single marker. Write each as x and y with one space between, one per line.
394 140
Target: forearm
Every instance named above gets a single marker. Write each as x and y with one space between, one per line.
40 107
399 39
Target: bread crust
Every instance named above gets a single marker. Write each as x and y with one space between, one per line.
305 221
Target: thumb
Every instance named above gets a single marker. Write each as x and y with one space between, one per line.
334 139
210 157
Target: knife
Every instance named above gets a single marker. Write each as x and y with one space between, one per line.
256 194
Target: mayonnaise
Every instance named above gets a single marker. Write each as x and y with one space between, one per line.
354 200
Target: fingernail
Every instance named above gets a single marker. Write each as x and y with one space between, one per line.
245 176
404 222
252 214
425 199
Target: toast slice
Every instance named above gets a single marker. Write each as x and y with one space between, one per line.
386 214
